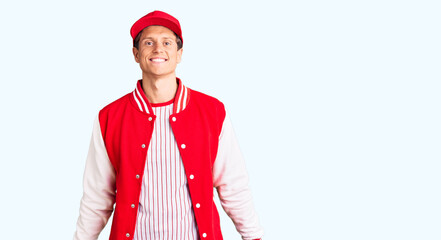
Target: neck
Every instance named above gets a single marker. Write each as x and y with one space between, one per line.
159 89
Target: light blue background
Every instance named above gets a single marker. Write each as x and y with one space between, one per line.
336 105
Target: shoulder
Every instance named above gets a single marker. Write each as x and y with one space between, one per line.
204 99
207 106
115 107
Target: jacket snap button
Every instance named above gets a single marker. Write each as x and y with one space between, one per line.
204 235
133 205
191 176
150 119
173 119
198 205
183 146
143 145
137 176
127 235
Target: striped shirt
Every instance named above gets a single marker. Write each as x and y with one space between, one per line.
165 209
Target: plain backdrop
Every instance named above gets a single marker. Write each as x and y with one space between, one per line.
336 105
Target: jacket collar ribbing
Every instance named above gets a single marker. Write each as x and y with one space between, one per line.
181 100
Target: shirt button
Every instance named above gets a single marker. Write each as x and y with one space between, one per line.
173 119
183 146
143 145
150 119
137 176
204 235
133 205
191 176
127 234
198 205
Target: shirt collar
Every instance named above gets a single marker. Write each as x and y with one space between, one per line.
181 100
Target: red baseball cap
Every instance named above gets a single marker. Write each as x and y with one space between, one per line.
157 18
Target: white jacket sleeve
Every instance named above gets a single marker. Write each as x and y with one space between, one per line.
230 178
98 189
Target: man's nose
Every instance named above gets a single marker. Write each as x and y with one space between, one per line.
158 48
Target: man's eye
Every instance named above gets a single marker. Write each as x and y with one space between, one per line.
167 43
149 43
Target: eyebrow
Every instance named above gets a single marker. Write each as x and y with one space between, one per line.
160 38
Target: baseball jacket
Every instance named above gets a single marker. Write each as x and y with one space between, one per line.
210 155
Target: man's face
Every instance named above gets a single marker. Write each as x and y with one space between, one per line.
157 52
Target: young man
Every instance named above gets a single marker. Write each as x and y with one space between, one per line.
157 152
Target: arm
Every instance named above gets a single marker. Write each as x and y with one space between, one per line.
231 181
99 189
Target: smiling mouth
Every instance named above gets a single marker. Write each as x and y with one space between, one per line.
158 60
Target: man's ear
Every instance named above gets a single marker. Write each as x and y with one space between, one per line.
179 56
136 54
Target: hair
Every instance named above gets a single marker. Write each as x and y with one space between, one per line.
138 37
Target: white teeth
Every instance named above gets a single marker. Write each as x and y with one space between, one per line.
158 60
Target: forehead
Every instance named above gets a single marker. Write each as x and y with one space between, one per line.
157 31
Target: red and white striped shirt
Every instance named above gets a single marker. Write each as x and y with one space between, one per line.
165 208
